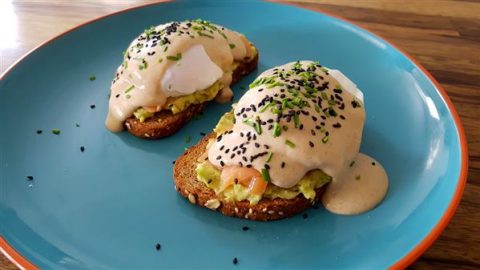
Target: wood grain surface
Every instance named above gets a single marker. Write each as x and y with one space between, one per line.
443 35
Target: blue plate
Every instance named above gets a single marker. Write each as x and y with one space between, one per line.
108 206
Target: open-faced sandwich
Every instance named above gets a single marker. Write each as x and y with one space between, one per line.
291 140
171 70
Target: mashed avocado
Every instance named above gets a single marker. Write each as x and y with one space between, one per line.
210 176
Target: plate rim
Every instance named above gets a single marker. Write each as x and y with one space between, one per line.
20 261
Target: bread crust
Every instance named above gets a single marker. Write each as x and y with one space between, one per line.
196 192
165 123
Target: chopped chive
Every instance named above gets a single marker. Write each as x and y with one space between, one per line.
204 35
296 120
285 128
149 31
129 89
56 131
92 78
317 108
231 45
266 175
165 49
276 110
290 143
160 60
253 124
276 130
265 107
175 58
269 157
324 96
325 139
188 139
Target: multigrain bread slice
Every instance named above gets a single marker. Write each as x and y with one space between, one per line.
196 192
165 123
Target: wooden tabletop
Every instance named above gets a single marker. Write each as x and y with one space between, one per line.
443 35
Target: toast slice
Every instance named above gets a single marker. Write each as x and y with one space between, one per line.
186 183
165 123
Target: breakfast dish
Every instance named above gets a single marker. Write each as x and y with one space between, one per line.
171 71
293 139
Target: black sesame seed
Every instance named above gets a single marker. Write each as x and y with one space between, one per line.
209 181
313 132
221 147
315 206
311 144
222 163
30 178
257 145
158 246
82 148
283 165
202 134
173 162
337 125
219 157
305 216
92 106
249 165
232 156
342 117
235 261
117 95
245 228
39 131
373 163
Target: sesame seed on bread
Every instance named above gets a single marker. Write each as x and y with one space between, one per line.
197 192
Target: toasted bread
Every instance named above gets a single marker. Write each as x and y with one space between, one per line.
165 123
196 192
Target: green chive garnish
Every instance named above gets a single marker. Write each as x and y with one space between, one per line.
266 175
231 45
92 78
276 130
188 139
129 89
325 139
296 120
269 157
265 107
253 124
204 35
175 58
290 143
56 131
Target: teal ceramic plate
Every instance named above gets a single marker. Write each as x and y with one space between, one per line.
109 206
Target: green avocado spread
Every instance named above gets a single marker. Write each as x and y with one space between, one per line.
210 176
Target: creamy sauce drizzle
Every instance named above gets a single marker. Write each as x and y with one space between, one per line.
360 188
296 118
137 82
